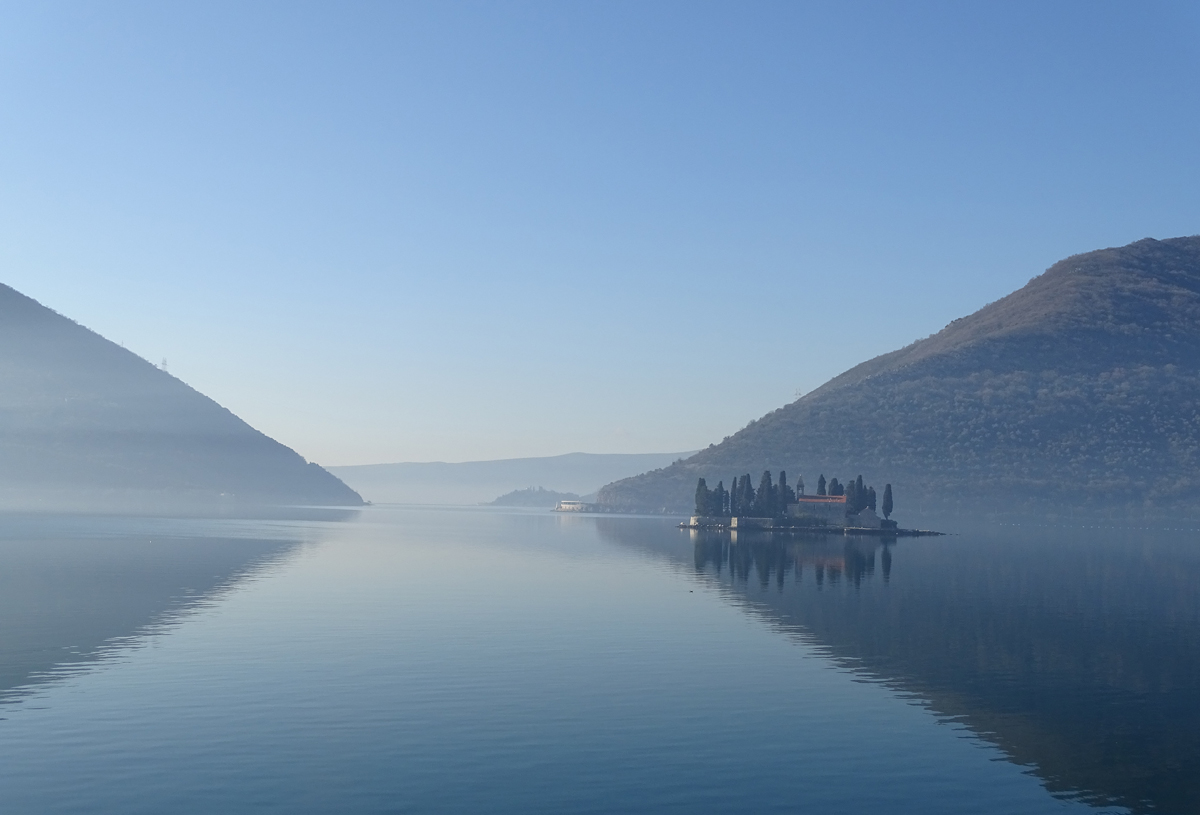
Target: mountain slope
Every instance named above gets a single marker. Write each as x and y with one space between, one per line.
84 423
1081 389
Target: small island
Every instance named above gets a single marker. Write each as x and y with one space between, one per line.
849 508
534 497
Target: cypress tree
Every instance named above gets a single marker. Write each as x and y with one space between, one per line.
747 495
786 494
821 484
702 498
887 500
871 498
851 497
763 507
718 499
860 494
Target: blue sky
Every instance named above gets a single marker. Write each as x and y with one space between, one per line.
453 231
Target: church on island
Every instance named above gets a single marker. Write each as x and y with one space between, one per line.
776 505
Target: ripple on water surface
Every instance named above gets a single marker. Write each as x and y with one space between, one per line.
441 661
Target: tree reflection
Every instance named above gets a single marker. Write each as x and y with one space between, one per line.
767 559
1076 653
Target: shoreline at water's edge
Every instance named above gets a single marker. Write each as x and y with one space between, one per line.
822 530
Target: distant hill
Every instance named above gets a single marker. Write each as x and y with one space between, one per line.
533 497
476 482
86 424
1080 390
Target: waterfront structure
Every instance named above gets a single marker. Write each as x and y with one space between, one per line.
828 509
832 510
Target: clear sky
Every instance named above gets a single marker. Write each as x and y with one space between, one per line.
453 231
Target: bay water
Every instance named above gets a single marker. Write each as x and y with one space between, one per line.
413 660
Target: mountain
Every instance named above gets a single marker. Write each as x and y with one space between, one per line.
86 424
1080 391
476 482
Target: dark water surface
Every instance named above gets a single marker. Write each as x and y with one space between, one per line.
424 660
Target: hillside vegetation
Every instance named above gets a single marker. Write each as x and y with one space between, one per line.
1081 390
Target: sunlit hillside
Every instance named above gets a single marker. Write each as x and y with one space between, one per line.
1080 390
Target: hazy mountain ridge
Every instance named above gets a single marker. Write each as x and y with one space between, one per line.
1080 389
477 482
84 422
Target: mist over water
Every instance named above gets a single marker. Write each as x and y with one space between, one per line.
449 660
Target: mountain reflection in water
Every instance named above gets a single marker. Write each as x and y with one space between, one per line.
74 589
1077 653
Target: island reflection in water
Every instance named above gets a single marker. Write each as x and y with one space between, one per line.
1075 652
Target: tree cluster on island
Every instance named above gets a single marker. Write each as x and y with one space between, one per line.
771 500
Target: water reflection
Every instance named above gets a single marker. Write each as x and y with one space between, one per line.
1076 653
74 588
766 559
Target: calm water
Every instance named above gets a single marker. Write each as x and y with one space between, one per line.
424 660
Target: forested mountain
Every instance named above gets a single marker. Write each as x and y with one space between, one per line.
86 424
1079 390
